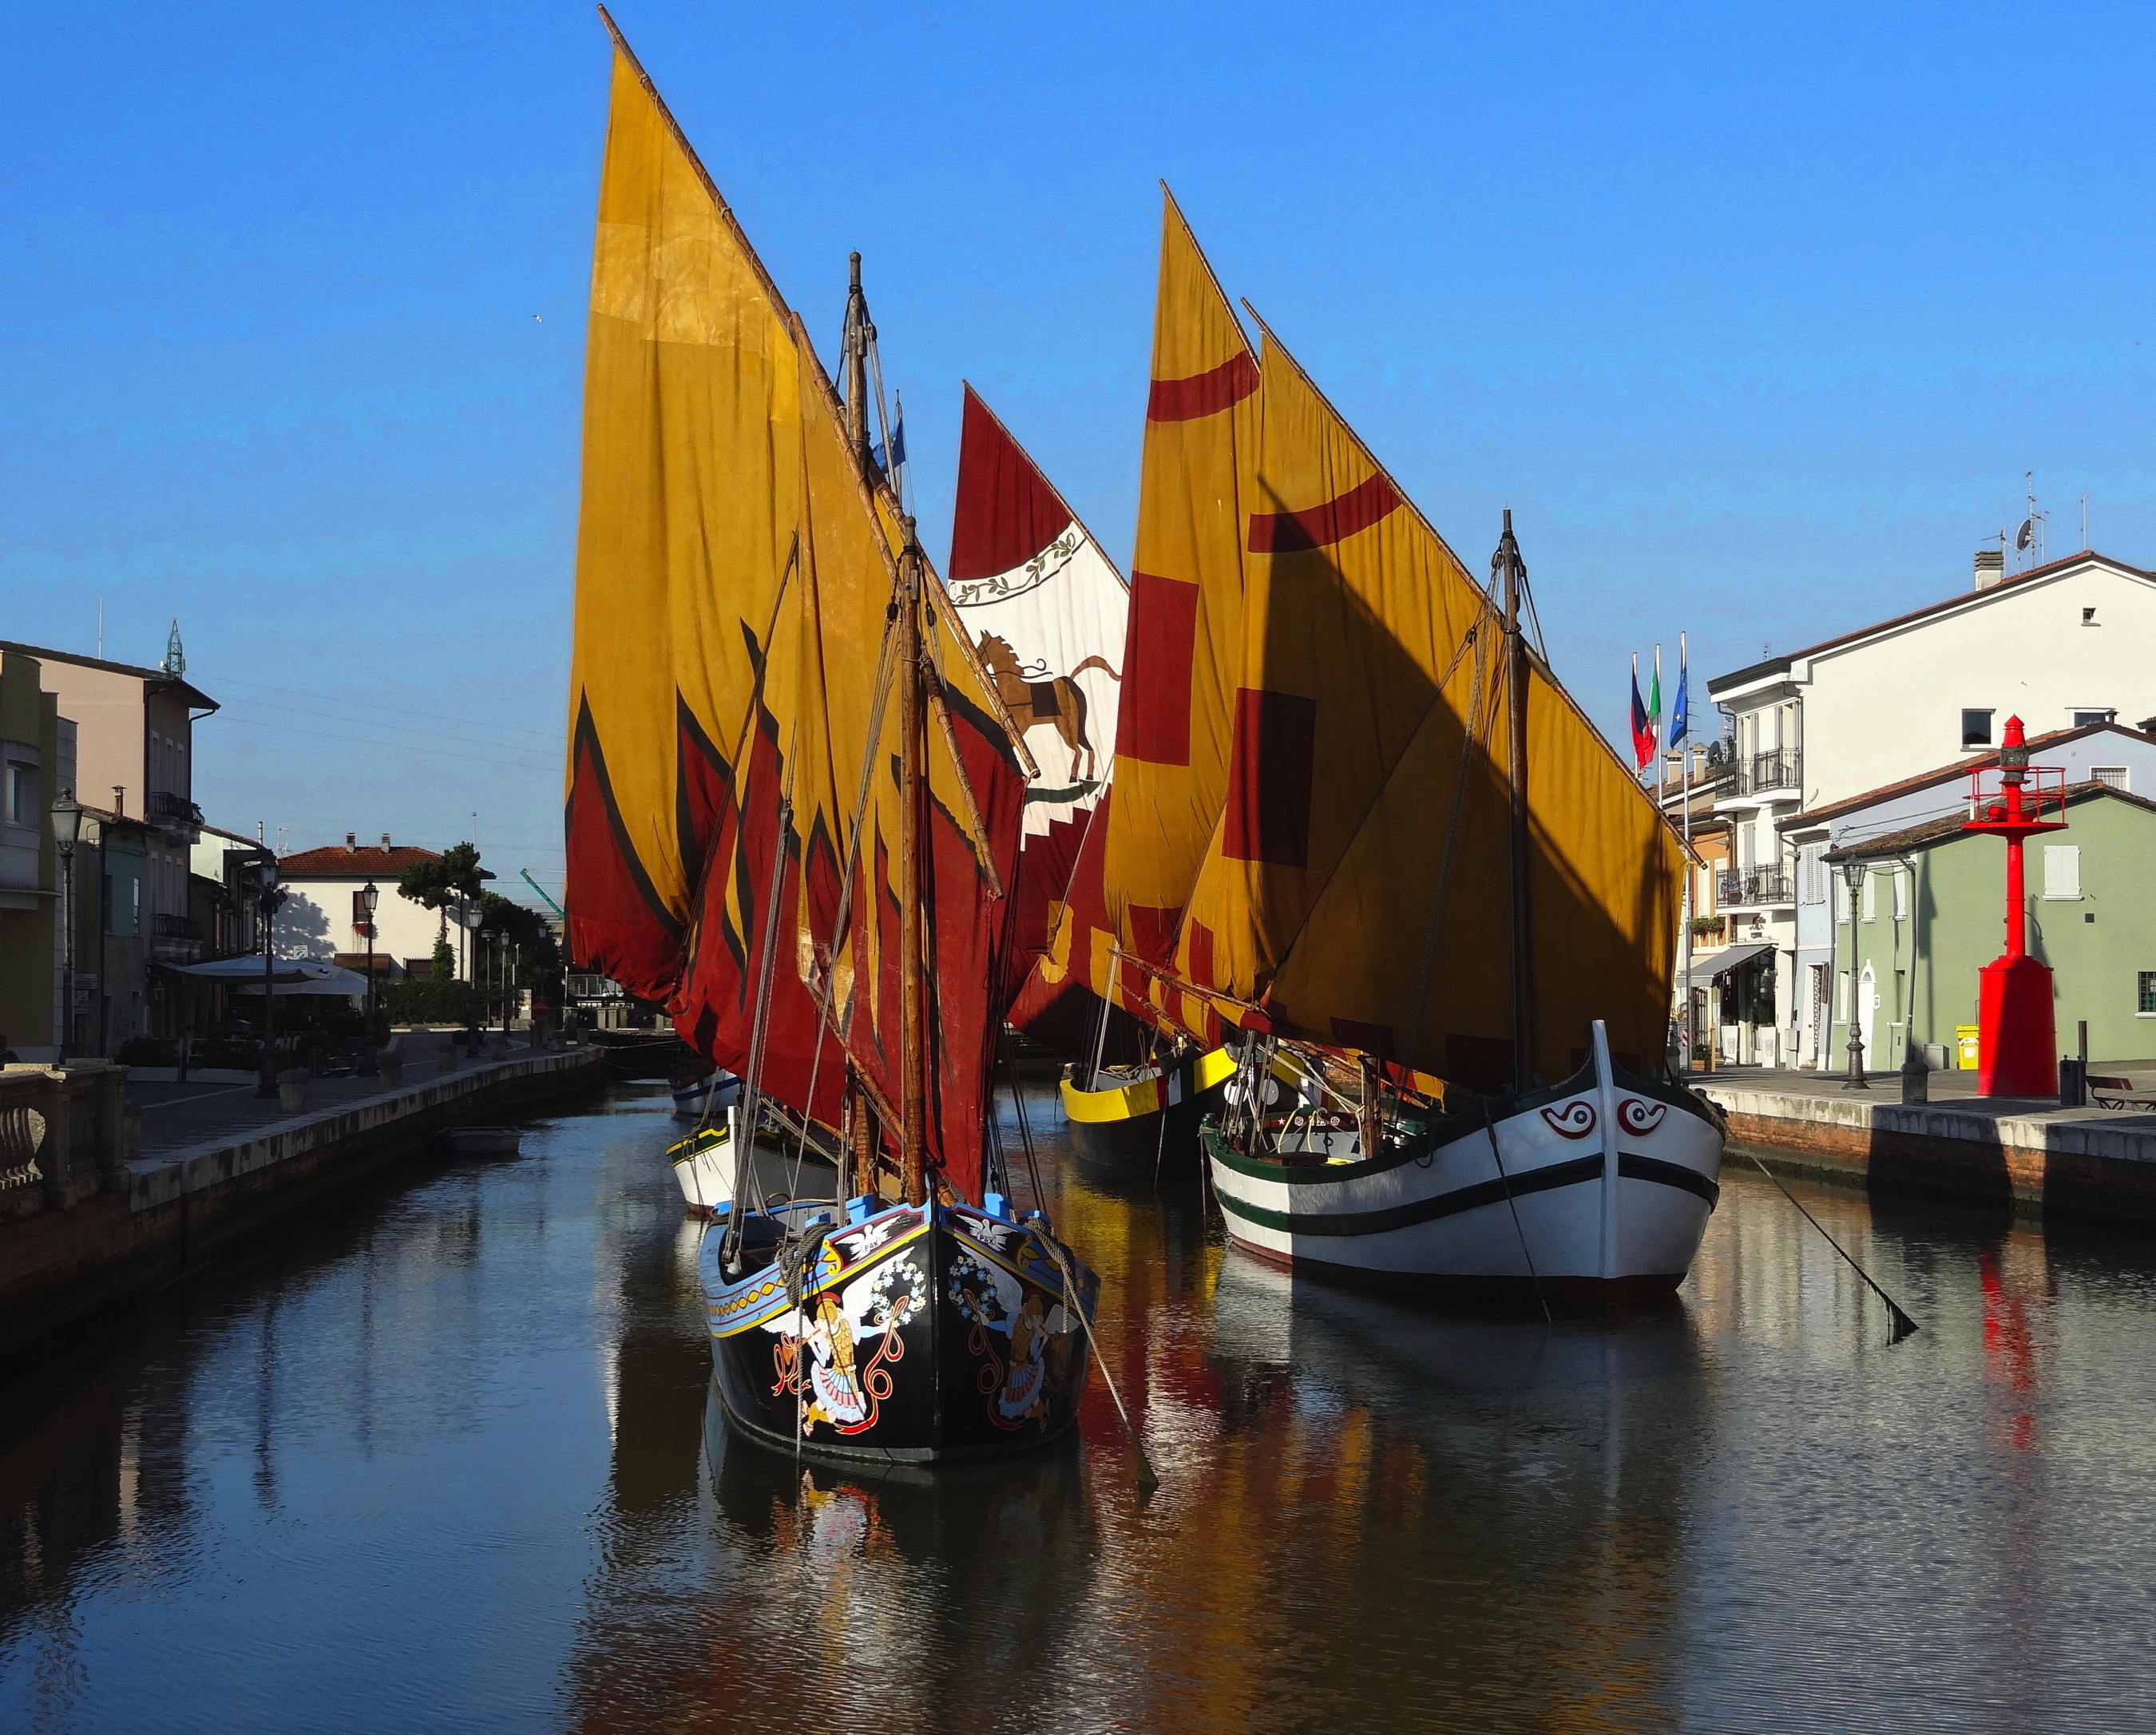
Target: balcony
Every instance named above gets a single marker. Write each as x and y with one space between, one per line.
1752 889
1769 776
173 813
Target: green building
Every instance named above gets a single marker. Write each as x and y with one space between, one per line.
1927 912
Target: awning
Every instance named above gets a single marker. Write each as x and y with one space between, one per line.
287 975
1704 970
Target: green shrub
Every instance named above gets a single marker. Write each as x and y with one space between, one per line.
429 1002
443 967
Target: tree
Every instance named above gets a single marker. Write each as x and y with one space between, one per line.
443 966
441 880
519 936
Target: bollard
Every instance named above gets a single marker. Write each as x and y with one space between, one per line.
292 1090
1916 1080
447 1057
391 1070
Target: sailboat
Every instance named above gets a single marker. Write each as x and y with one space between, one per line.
794 815
1389 850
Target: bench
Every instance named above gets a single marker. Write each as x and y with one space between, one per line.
2107 1092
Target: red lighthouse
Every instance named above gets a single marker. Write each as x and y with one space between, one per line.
2017 1050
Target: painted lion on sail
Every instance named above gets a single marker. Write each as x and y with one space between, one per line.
1059 699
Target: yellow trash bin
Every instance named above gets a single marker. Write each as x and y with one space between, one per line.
1965 1040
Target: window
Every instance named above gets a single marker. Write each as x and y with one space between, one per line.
1811 874
1871 896
1840 902
2112 777
1842 995
2147 1004
2063 873
2088 618
1900 881
2090 719
1976 729
22 794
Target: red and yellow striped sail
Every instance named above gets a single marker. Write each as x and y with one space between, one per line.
733 578
1148 838
1355 890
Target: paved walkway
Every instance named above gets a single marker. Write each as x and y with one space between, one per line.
1957 1089
177 1116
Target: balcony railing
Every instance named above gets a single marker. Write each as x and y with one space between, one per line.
1767 774
1752 886
163 808
177 928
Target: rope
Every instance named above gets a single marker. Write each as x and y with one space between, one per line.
1512 1204
1025 1142
1147 1481
1903 1324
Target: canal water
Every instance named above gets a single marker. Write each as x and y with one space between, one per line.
442 1460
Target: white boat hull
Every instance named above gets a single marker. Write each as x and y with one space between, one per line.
1599 1189
705 1168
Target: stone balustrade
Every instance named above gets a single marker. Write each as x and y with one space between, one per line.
66 1132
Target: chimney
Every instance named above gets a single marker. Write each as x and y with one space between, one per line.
1990 566
350 840
385 840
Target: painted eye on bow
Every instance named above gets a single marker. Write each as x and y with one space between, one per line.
1574 1119
1635 1116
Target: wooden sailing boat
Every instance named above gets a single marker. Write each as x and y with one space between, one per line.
793 815
1410 871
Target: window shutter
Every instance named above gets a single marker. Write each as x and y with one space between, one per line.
2062 872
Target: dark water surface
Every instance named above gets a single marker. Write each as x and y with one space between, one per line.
441 1460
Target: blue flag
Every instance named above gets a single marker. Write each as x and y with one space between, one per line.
1680 714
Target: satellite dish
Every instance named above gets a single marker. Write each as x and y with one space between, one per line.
2026 535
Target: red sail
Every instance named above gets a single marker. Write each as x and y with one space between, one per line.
1045 609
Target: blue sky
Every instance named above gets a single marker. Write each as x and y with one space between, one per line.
1754 319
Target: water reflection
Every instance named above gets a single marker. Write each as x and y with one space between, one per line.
445 1456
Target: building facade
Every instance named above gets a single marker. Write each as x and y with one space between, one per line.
36 747
2063 646
1927 912
322 914
133 775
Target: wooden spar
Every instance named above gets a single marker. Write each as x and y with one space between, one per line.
976 828
860 334
913 1140
1508 562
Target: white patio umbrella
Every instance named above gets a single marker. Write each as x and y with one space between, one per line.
287 975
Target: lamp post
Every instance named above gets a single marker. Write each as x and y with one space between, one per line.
267 898
470 915
67 830
370 895
1853 873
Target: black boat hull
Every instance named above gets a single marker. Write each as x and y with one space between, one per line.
919 1336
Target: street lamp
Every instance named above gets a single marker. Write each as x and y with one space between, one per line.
263 869
67 830
1853 873
470 915
369 896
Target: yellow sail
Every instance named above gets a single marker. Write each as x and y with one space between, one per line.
734 579
1356 885
1183 648
690 417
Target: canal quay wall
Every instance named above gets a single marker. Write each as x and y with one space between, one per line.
2033 1157
87 1222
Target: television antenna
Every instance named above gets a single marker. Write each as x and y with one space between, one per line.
2028 540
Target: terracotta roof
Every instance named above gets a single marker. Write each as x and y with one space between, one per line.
1943 774
1780 664
1933 831
368 861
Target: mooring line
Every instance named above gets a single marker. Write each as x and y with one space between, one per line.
1903 1324
1505 1181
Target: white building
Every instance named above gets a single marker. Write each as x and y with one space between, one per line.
321 914
2065 646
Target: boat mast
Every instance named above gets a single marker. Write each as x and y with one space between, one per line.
913 1140
859 335
912 773
1507 560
